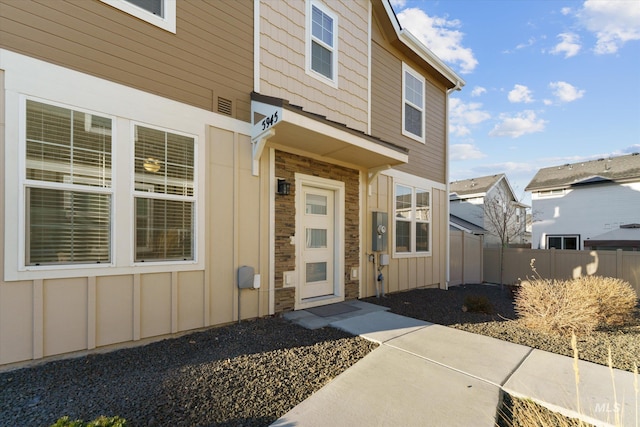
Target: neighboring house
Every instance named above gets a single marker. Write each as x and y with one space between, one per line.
152 149
627 238
575 202
490 203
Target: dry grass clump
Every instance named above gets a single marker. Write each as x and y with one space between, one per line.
527 413
616 299
578 305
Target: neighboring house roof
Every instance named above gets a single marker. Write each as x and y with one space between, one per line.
461 224
476 187
614 169
626 235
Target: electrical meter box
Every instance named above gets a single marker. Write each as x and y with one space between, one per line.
379 231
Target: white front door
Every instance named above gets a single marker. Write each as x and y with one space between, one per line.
317 253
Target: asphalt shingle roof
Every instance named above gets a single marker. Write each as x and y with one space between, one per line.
474 185
617 169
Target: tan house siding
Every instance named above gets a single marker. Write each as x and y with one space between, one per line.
425 160
282 57
286 165
209 60
412 272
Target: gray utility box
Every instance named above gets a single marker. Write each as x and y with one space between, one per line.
379 231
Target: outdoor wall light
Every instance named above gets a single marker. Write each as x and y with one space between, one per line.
151 164
284 188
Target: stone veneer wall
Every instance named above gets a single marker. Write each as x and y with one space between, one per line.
286 165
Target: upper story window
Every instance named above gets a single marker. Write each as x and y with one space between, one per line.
161 13
412 220
413 107
322 52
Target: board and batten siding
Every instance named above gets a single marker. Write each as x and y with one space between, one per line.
426 160
406 273
282 60
208 60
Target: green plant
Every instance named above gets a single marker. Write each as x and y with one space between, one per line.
477 304
101 421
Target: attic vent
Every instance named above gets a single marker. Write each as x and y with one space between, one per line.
225 106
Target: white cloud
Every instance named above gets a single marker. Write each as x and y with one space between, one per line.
521 124
439 35
478 90
565 10
520 93
569 45
614 23
465 152
464 115
398 4
566 92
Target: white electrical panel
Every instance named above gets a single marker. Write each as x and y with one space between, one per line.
384 259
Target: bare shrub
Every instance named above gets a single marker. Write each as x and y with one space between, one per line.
616 299
556 306
578 305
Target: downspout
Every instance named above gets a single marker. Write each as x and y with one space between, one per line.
457 87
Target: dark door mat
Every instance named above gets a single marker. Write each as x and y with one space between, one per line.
332 309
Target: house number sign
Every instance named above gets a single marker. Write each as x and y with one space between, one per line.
269 121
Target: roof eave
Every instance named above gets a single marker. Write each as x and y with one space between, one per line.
421 50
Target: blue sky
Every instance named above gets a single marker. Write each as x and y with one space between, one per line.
548 82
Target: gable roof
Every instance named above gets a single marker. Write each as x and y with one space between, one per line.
411 46
614 169
474 187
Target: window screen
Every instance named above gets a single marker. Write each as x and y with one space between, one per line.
68 180
164 201
322 43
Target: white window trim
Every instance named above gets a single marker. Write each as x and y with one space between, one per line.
333 82
563 237
413 186
23 77
25 183
405 132
168 22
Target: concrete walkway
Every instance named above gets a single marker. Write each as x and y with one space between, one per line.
425 374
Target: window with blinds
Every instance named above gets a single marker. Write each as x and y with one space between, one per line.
164 195
68 186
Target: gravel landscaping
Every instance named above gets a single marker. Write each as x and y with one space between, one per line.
246 374
446 308
253 372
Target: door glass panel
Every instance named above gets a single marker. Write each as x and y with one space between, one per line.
571 243
316 204
316 272
316 238
555 242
